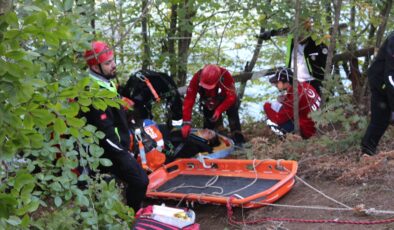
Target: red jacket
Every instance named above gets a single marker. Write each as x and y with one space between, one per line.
227 91
309 101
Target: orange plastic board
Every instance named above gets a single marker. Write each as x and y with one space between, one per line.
252 182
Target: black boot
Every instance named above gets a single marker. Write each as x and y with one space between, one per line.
238 139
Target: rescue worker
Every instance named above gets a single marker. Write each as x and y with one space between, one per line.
217 95
281 115
311 58
112 122
147 87
381 82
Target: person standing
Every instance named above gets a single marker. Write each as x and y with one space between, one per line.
311 57
381 82
217 95
112 122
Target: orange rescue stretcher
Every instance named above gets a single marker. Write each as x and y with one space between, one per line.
251 183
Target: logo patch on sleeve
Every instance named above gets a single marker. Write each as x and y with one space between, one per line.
103 116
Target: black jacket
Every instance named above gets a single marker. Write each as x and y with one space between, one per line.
315 56
112 122
381 72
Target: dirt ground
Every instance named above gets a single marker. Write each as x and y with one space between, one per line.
356 181
360 187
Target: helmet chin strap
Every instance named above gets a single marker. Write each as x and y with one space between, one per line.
109 77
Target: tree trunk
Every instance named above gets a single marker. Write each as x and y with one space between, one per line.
295 81
185 32
92 15
171 41
122 27
5 6
331 47
382 27
354 71
145 40
250 65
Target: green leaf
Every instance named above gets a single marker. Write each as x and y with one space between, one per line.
96 151
74 109
7 204
56 186
11 18
42 114
14 220
13 69
32 206
15 54
26 192
74 132
25 221
83 83
30 19
75 122
84 101
28 122
58 201
99 104
22 179
68 4
68 93
106 94
36 140
105 162
83 200
64 32
100 134
112 103
59 126
85 109
52 39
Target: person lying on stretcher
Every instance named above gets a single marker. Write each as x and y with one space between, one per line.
203 140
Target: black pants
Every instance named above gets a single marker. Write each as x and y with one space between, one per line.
126 168
380 120
233 119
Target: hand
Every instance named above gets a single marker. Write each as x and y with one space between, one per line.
215 116
281 98
185 130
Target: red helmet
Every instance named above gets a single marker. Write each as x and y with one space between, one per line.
99 53
210 76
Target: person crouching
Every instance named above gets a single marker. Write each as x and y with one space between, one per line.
280 113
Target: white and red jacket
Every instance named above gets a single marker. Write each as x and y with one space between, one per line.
309 101
225 89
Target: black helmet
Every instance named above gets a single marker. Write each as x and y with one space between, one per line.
282 74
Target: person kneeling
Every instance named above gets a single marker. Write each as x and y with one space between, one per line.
280 114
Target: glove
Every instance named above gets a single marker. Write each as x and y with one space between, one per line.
267 106
128 103
186 130
215 116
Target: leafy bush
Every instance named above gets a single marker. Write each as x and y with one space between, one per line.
338 120
43 137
